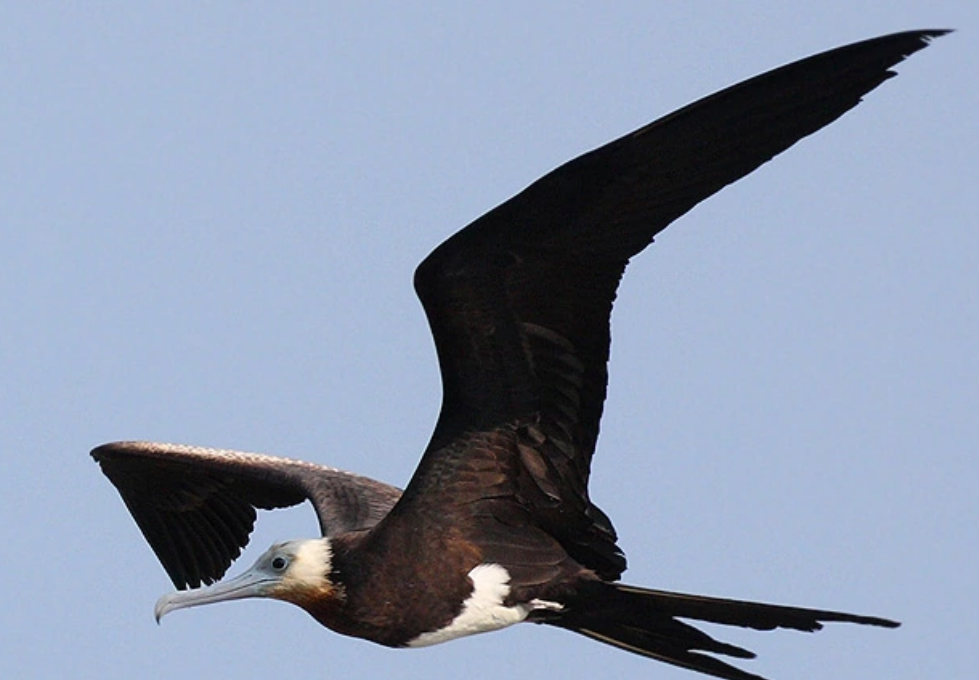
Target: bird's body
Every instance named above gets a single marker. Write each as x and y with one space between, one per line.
496 525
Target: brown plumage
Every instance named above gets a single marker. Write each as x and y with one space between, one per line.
498 512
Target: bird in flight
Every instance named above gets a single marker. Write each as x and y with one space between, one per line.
496 526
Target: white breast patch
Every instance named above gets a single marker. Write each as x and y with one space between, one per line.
484 610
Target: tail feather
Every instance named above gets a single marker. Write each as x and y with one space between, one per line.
756 615
646 622
662 649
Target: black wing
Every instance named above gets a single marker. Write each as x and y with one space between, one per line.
196 506
519 301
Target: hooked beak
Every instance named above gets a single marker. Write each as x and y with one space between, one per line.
255 582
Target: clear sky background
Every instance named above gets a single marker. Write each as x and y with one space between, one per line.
209 218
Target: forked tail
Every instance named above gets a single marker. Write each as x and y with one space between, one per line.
645 622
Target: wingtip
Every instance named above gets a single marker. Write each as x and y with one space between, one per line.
917 40
99 451
108 447
927 36
130 446
910 41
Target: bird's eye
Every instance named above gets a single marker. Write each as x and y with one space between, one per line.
279 563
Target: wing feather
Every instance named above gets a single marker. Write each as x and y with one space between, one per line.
197 506
519 301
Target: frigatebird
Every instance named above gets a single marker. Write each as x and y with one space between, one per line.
496 525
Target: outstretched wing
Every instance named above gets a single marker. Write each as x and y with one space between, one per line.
519 301
196 506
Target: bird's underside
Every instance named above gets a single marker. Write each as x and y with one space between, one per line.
496 525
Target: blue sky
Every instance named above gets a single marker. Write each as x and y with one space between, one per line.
209 219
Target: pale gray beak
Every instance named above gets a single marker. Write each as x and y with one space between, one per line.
256 582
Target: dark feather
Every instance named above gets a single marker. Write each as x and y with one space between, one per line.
196 506
645 622
519 305
519 301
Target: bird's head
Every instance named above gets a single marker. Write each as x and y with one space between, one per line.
293 571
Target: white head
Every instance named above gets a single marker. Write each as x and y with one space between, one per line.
293 571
